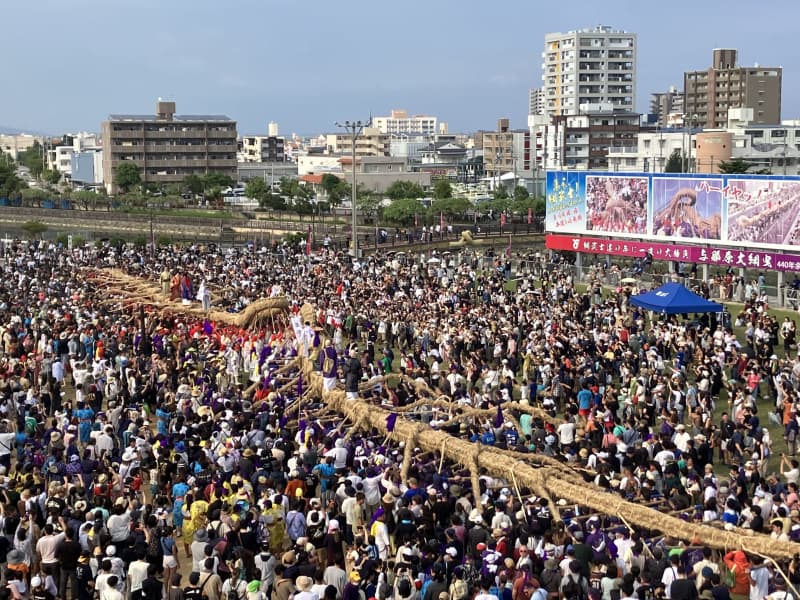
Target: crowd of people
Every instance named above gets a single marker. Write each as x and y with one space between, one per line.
616 204
150 454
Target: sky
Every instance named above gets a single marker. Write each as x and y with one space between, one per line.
308 63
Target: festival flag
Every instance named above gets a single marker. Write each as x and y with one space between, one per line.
530 215
499 419
391 420
502 219
441 221
308 242
508 250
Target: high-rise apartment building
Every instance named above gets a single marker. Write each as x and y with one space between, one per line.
263 148
589 66
666 107
708 94
400 122
167 147
536 104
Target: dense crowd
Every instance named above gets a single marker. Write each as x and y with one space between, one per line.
150 454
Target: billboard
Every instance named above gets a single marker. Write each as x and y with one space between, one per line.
717 256
751 211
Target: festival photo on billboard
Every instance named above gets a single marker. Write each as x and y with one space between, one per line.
687 207
616 204
764 211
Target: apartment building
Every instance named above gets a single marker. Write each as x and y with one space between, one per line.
583 141
263 148
724 85
589 66
506 151
536 101
371 142
167 147
400 122
666 107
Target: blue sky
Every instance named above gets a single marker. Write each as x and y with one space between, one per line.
308 63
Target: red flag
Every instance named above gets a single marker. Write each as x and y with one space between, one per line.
308 242
502 218
530 215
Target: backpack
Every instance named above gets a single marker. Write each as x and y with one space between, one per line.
573 588
727 576
404 586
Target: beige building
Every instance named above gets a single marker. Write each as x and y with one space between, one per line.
13 145
708 94
400 122
371 142
167 147
506 151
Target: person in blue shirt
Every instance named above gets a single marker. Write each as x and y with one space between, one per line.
85 416
488 438
179 491
162 423
584 401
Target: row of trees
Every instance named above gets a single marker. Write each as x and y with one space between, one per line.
678 162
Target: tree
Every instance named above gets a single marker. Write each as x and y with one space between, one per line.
403 210
676 162
273 202
173 189
126 176
450 207
733 166
256 189
34 229
51 176
33 159
368 204
193 183
33 197
404 189
216 180
10 184
521 193
500 193
85 199
442 189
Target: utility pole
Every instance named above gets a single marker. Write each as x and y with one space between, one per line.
354 128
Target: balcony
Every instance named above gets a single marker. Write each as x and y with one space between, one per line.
127 135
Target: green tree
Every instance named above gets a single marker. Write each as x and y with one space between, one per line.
521 193
442 189
450 207
51 176
173 189
273 201
33 197
34 229
126 176
33 159
539 207
501 193
404 189
10 184
734 166
402 211
256 189
368 203
85 199
676 162
193 183
216 180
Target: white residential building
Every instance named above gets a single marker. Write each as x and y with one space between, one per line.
589 66
399 121
59 158
536 104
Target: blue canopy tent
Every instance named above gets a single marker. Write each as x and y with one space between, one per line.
675 299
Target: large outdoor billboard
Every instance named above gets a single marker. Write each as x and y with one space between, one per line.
751 211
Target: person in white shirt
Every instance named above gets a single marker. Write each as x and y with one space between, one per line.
305 591
566 433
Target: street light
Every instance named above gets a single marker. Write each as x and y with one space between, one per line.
354 128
